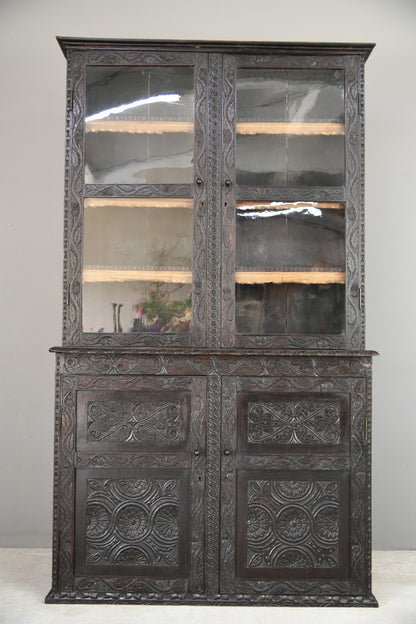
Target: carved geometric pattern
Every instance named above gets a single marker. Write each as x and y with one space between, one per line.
133 522
292 524
130 421
294 421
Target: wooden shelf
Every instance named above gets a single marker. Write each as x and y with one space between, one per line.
139 127
138 202
137 275
298 128
181 276
242 127
275 205
290 277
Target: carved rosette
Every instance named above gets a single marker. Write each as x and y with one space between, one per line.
132 522
292 524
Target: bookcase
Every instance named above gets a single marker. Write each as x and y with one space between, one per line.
213 391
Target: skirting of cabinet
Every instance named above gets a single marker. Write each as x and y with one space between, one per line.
220 600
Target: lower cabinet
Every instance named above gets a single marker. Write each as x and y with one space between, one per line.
212 480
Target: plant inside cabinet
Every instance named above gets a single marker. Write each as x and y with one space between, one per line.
213 402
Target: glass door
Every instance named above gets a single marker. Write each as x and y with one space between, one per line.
142 142
288 207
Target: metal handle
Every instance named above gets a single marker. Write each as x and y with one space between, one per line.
228 183
227 452
199 182
197 452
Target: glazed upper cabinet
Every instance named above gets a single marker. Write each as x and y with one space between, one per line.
214 195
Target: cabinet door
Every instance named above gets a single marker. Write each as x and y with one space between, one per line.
291 208
136 214
290 487
139 485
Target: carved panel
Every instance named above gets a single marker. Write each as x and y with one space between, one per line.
293 524
294 420
131 525
139 421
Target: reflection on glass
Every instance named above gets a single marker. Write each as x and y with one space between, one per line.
139 125
290 127
290 267
137 265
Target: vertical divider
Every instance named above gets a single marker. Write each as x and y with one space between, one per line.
212 526
228 206
228 484
214 200
199 307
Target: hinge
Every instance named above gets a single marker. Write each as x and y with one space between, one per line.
360 299
70 100
366 428
68 295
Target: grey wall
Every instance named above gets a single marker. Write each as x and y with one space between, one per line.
32 100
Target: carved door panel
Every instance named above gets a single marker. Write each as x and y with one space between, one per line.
139 484
290 488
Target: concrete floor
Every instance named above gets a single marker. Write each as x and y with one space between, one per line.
25 580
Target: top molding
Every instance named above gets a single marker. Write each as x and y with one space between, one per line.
234 47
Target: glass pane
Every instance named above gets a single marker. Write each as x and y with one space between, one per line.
290 127
137 272
139 125
290 267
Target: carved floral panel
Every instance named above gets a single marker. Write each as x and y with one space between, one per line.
134 421
293 524
132 523
121 420
308 420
